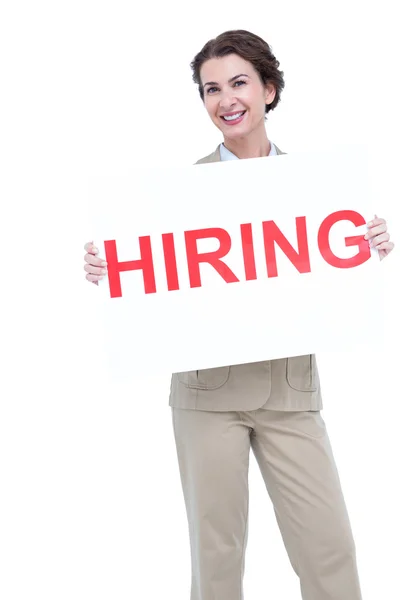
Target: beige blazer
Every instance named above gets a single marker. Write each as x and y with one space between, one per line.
287 384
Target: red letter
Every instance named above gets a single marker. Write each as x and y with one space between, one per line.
300 259
248 251
213 258
145 263
171 269
356 240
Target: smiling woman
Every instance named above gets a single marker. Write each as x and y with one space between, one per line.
239 82
272 407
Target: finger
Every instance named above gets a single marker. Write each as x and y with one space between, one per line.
379 239
376 221
375 231
385 246
87 246
93 278
96 261
95 270
91 248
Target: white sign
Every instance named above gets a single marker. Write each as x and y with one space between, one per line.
235 262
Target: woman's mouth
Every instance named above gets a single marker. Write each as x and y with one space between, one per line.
233 118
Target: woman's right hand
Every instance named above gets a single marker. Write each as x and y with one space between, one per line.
95 267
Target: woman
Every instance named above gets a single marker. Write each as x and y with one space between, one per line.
272 407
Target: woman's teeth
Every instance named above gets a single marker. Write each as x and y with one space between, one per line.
233 117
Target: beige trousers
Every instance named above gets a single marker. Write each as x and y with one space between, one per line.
295 458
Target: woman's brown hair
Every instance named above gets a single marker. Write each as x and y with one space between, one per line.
251 48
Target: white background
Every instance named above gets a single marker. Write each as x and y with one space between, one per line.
90 502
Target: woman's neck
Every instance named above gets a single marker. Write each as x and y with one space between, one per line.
249 146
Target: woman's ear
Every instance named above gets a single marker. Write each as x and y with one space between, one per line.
270 93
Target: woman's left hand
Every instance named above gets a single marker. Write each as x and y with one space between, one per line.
378 237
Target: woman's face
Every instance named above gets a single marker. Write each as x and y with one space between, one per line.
234 95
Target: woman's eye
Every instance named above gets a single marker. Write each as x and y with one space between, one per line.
212 90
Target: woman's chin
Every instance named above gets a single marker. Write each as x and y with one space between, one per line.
236 133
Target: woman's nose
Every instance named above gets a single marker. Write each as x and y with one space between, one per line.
227 101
